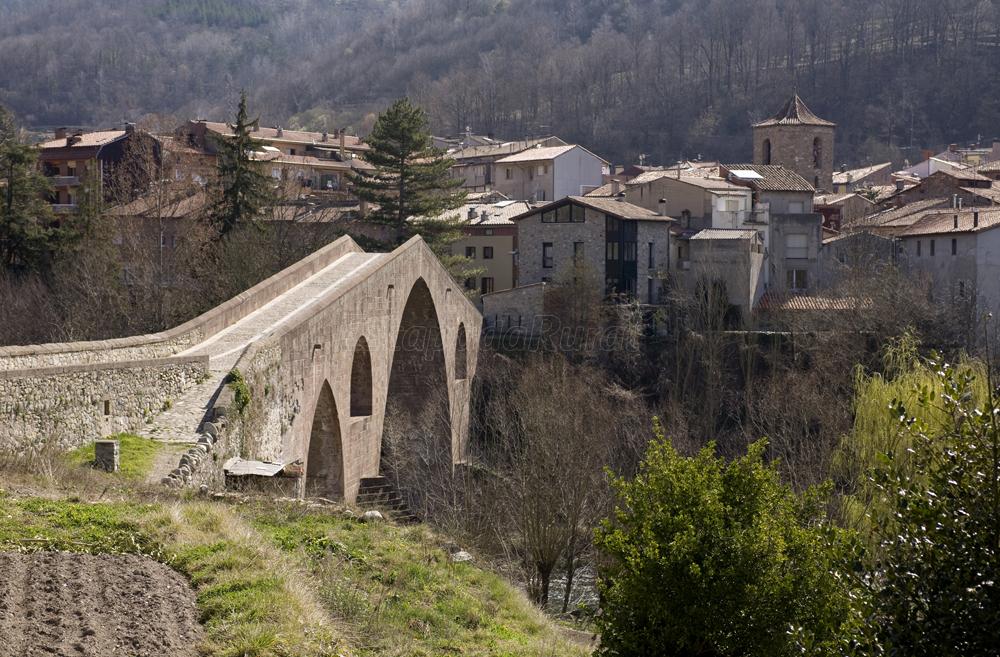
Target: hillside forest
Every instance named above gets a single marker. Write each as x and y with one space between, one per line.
663 79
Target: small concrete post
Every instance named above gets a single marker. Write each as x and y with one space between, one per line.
106 455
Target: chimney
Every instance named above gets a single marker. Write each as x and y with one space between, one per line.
60 133
663 207
616 187
325 137
900 184
954 200
952 148
278 131
76 137
620 197
975 219
843 168
343 142
129 128
472 214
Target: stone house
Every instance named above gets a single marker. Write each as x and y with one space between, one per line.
850 180
960 253
798 140
959 184
838 209
549 173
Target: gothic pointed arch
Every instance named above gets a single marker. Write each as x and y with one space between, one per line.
461 354
325 460
361 380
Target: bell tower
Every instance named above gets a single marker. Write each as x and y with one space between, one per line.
798 140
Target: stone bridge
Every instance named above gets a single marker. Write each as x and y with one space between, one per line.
324 347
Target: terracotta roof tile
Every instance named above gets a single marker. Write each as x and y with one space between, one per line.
854 175
943 222
794 112
773 178
87 140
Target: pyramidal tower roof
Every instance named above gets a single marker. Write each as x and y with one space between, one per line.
794 112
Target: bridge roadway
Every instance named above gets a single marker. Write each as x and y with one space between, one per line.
180 423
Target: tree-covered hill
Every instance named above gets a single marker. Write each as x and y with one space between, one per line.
668 78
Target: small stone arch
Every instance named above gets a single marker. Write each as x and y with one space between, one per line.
461 354
766 148
325 460
361 380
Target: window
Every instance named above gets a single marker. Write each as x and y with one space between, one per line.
611 251
652 258
796 246
564 214
796 280
918 247
954 246
487 285
932 247
578 252
547 255
817 153
579 214
488 232
509 173
767 151
470 284
470 252
487 253
629 250
291 151
549 217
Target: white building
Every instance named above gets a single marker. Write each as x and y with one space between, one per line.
549 173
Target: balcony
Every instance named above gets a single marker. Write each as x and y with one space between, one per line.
65 181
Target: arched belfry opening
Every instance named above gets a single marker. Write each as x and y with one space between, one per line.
416 438
767 151
461 354
325 462
817 153
361 380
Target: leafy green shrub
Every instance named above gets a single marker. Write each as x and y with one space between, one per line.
706 557
241 391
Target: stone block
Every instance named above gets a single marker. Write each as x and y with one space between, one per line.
106 455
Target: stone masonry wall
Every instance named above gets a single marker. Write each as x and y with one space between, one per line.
66 407
792 148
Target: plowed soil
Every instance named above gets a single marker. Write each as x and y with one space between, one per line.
55 603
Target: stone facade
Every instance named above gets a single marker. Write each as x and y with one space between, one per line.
805 149
67 406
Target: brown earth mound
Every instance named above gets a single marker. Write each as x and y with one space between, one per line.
56 603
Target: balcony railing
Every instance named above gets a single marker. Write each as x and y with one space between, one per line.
65 181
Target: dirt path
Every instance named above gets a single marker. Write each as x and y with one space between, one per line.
55 603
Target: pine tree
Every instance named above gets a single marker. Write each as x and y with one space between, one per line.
30 238
244 190
410 178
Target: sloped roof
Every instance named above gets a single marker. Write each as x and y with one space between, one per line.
854 175
603 190
773 178
537 154
613 207
711 183
725 234
488 214
87 140
170 204
943 222
794 112
837 199
989 166
299 136
504 148
805 302
903 216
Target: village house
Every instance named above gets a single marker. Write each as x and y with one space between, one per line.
697 198
960 184
851 180
72 160
475 162
958 250
733 257
791 230
549 173
838 209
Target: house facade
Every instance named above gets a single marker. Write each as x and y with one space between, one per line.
549 173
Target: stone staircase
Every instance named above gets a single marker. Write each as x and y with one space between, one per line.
379 493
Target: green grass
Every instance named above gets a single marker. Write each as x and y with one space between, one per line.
247 593
404 595
136 455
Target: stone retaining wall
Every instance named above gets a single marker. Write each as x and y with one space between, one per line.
64 407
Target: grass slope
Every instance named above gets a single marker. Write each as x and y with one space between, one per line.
278 580
135 455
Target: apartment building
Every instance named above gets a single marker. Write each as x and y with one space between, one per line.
549 173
